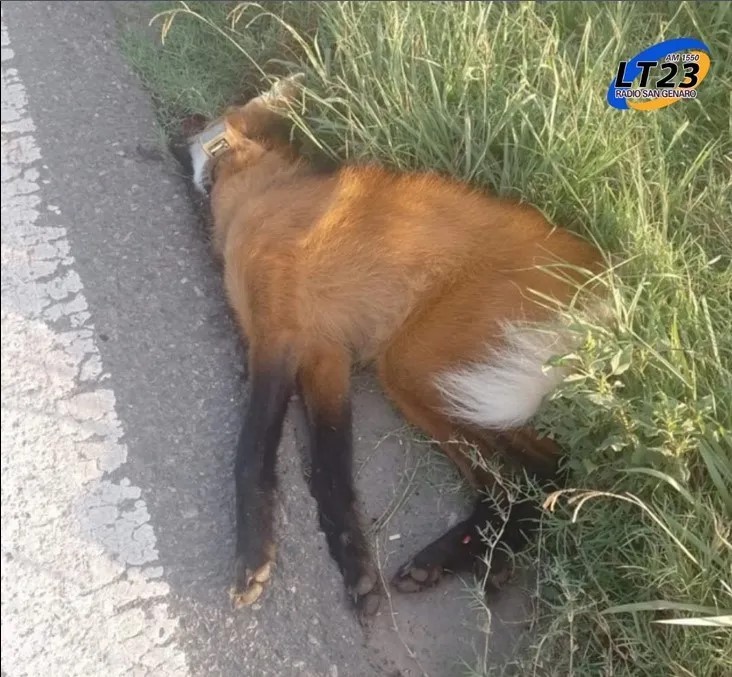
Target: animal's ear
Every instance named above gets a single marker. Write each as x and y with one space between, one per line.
264 117
282 93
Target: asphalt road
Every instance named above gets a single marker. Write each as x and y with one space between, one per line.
122 392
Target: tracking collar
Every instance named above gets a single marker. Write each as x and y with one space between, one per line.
215 144
213 140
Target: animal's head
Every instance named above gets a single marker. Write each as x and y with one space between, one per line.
245 132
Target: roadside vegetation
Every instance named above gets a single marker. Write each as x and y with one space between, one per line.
635 564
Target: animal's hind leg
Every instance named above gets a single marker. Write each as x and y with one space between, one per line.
483 543
497 523
461 548
500 525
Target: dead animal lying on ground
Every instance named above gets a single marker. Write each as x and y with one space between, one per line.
444 288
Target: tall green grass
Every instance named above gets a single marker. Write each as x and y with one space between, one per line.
635 568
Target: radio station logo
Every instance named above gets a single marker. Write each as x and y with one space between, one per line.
666 72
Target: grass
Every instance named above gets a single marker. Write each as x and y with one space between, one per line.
635 567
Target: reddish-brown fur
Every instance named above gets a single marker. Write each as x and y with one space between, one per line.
411 271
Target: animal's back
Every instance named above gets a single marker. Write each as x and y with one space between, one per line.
391 244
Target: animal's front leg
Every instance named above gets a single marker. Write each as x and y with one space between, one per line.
255 475
324 381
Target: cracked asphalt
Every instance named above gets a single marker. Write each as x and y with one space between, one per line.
122 392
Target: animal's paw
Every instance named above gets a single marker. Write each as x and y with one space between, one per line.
417 574
250 583
366 593
459 549
361 578
430 565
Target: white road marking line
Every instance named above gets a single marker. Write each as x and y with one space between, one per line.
82 590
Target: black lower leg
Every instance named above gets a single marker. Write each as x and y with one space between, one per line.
256 482
331 483
481 544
